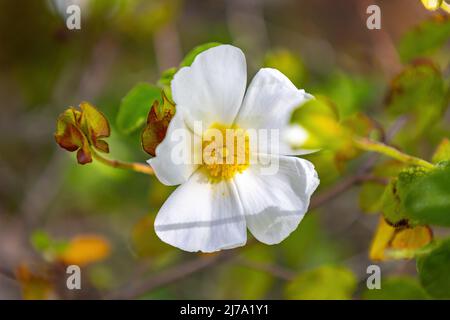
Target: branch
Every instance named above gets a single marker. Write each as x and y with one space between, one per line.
7 274
171 275
379 147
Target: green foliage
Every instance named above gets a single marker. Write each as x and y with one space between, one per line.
428 199
325 282
433 269
371 194
190 56
419 88
135 107
393 198
49 248
425 39
350 93
397 288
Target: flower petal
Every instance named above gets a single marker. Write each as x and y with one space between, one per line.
200 216
174 162
268 104
275 204
212 88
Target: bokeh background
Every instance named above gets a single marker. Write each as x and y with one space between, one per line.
47 199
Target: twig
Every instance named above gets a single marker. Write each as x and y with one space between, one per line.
372 145
134 166
171 275
7 273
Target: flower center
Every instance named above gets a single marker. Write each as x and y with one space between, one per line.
225 151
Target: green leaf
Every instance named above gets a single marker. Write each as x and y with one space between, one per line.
189 58
397 288
350 92
418 88
326 282
428 199
135 107
425 38
166 77
46 245
393 205
433 269
40 240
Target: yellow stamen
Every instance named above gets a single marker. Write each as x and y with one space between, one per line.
225 151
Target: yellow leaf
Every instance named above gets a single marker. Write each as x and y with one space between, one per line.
398 243
383 236
407 241
85 249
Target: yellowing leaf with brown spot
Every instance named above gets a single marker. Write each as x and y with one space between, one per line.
398 243
407 241
380 242
84 250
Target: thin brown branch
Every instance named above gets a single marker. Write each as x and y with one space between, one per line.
7 273
171 275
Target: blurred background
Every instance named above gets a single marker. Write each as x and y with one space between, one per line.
47 200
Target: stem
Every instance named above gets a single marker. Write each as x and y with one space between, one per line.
375 146
138 167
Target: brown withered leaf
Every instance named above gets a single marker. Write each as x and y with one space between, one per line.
157 122
95 125
79 130
67 134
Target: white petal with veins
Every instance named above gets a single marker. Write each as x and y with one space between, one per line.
212 88
268 104
274 205
200 216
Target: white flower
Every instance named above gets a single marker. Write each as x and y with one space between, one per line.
216 203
